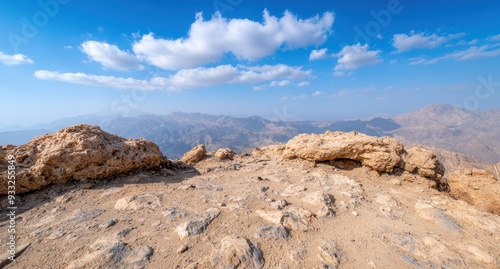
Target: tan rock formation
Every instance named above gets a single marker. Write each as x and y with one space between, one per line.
379 153
77 152
194 155
224 154
478 188
423 162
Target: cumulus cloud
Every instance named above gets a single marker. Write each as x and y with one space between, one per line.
276 83
303 83
318 93
318 54
355 56
473 52
404 42
15 59
110 56
187 78
209 40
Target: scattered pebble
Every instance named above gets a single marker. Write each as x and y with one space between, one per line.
182 249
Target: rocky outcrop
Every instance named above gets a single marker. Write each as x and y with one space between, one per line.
478 188
423 162
77 152
224 154
197 225
382 154
194 155
235 252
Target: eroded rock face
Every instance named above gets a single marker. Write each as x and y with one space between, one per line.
194 155
77 152
235 252
478 188
224 154
379 153
423 162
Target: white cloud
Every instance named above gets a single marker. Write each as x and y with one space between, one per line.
187 78
276 83
404 42
362 91
303 83
68 47
354 57
318 54
15 59
209 40
379 37
473 52
495 38
110 56
317 93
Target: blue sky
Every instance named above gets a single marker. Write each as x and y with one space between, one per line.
313 60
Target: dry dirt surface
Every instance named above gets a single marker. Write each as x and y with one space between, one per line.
254 211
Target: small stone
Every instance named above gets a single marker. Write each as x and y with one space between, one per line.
107 224
355 213
264 189
271 232
182 249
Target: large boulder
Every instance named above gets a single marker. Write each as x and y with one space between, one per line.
423 162
77 152
477 187
382 154
194 155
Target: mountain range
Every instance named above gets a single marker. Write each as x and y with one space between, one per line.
472 133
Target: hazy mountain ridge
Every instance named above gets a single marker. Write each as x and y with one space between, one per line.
473 133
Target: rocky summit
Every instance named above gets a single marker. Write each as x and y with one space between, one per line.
89 199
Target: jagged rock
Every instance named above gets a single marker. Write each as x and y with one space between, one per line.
197 225
113 254
271 232
194 155
77 152
478 188
379 153
297 219
235 252
330 254
323 200
224 154
141 201
275 217
423 162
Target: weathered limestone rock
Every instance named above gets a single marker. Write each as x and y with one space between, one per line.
224 154
423 162
135 202
235 252
113 254
197 225
194 155
77 152
330 254
379 153
271 232
478 188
